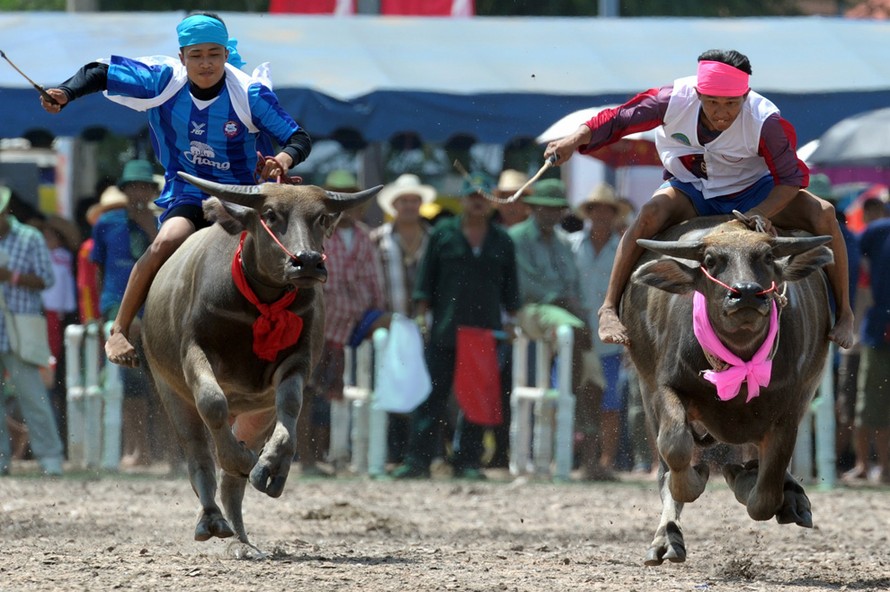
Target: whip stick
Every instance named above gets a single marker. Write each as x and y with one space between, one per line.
547 164
46 96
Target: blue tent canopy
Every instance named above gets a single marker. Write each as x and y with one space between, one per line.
494 79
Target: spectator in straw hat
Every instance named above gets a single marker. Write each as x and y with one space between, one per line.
594 249
508 214
401 244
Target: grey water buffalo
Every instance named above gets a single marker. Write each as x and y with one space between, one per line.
730 395
232 329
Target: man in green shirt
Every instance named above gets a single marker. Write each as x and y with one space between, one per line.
467 277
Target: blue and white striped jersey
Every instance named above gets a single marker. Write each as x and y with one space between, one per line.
216 140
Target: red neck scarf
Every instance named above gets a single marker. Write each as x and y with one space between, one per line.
276 328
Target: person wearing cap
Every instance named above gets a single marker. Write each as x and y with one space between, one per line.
351 291
401 243
724 147
208 119
514 212
25 271
124 228
467 277
594 248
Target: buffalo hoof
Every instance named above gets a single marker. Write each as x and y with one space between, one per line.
741 480
795 507
670 546
212 525
262 479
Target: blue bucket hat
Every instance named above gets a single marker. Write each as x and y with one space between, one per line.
137 171
477 182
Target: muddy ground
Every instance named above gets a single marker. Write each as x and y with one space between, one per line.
134 532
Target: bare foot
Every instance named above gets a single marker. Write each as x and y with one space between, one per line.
842 332
856 473
611 330
120 351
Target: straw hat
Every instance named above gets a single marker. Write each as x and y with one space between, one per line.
111 199
510 181
406 184
601 194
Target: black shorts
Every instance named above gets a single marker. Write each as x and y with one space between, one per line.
190 212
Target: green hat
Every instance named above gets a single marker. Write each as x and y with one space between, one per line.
341 180
5 196
820 186
549 192
137 171
477 182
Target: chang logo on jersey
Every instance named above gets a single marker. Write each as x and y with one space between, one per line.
231 128
202 154
681 138
198 128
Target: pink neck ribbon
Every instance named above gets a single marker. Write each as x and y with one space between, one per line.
755 372
717 79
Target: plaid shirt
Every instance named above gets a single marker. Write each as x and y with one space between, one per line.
24 251
354 283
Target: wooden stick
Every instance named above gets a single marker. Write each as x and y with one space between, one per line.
547 164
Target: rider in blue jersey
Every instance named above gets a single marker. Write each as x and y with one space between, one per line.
207 118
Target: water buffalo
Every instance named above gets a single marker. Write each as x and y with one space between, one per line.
740 277
231 364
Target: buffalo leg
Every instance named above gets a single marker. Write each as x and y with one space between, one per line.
192 437
252 429
234 456
766 488
271 470
676 445
668 541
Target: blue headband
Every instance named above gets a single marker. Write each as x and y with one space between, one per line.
199 28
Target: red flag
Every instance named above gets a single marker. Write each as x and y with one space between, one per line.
335 7
427 7
477 377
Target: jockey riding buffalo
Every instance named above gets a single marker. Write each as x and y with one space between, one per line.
232 328
728 330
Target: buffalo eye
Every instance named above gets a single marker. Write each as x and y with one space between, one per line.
769 259
270 216
710 262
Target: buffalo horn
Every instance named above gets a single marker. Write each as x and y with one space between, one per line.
678 249
339 202
245 195
785 246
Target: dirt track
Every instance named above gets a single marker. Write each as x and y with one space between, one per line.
134 532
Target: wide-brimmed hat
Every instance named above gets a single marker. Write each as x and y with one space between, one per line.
549 192
137 171
601 194
511 180
112 198
406 184
341 180
5 196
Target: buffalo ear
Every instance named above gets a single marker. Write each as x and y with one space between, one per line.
803 264
329 223
666 274
232 217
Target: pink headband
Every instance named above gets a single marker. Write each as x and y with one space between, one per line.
721 80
